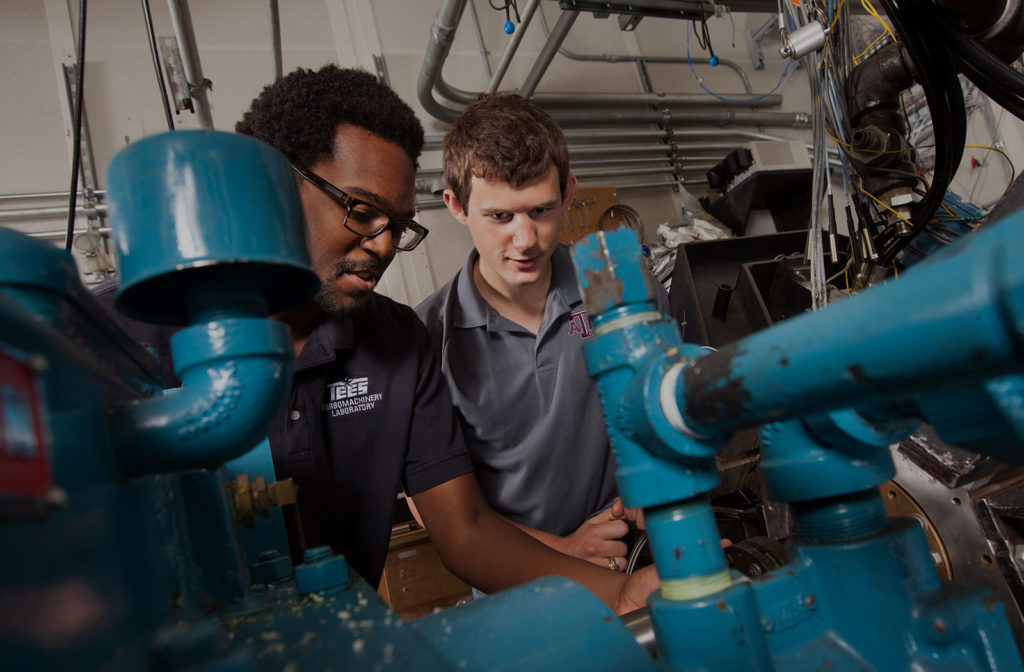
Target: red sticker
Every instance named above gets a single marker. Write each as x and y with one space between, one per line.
25 469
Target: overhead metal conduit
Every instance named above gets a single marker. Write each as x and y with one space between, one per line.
579 107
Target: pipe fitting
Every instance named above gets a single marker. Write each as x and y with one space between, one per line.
234 377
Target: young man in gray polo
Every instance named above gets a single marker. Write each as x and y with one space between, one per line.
509 326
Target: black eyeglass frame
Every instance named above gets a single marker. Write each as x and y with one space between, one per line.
397 226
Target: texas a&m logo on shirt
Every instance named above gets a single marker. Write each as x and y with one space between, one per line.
580 324
350 395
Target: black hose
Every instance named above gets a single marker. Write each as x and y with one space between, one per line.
941 87
148 15
76 152
1008 100
969 50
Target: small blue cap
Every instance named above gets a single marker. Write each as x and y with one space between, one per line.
713 61
509 27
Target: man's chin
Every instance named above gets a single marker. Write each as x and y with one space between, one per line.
340 305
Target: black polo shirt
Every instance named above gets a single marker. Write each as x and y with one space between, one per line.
369 410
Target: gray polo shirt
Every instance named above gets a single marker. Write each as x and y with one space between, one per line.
531 414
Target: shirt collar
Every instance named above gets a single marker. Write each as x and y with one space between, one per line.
329 335
471 310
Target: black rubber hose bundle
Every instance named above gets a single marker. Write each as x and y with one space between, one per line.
941 85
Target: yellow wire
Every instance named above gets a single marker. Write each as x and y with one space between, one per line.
1013 169
895 271
871 196
866 4
837 140
878 39
870 9
831 29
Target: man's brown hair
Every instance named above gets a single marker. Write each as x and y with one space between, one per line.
504 138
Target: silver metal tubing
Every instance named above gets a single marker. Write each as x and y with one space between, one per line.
56 235
586 163
678 150
48 213
484 54
639 624
181 18
577 138
624 58
442 32
49 194
513 46
722 116
443 29
547 53
644 185
589 175
549 100
602 135
275 37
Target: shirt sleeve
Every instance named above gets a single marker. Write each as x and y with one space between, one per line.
437 450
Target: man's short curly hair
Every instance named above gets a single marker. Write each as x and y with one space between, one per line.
299 114
504 138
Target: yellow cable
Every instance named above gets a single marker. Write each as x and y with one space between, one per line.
831 29
871 196
870 9
878 39
1013 169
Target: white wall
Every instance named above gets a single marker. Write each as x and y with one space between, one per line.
233 36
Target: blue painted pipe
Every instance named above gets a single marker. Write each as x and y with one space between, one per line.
209 233
234 376
888 344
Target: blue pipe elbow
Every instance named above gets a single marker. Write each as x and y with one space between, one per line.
235 378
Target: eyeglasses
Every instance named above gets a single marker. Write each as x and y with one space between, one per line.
367 220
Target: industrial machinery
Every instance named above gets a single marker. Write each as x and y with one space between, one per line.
126 508
122 546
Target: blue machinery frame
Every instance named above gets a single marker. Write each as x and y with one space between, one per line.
121 549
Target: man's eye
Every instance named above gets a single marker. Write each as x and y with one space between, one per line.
364 214
540 212
499 216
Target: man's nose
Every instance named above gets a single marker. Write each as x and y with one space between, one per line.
524 235
380 245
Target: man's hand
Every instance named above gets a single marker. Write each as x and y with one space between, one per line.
638 586
598 540
633 514
489 552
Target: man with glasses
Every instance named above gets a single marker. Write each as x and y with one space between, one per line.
370 408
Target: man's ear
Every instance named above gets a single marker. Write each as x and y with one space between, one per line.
454 207
570 191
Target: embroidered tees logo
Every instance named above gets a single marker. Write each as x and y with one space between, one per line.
580 324
350 395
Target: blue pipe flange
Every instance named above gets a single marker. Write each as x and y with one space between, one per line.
192 207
